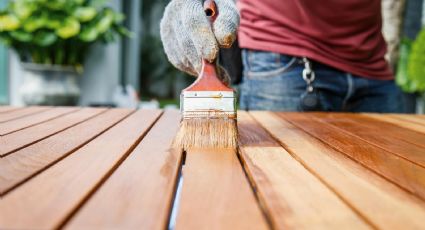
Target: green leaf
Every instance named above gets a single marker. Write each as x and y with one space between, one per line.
401 78
8 23
84 14
53 24
105 22
23 8
416 66
44 38
53 21
124 31
57 4
97 3
33 23
118 17
44 29
69 28
21 36
89 34
109 37
79 2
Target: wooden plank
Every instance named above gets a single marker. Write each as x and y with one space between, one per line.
293 197
25 137
148 176
4 117
411 118
397 122
18 167
365 129
392 130
6 109
24 122
406 174
47 200
383 204
216 194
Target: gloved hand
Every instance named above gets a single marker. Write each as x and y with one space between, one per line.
188 36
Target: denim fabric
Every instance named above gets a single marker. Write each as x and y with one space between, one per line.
273 81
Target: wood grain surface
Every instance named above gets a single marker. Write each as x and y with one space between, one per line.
144 183
99 168
4 109
367 130
27 121
15 114
25 163
216 194
398 122
382 204
25 137
294 198
408 175
60 190
412 119
392 129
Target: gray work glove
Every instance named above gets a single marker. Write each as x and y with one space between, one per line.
188 36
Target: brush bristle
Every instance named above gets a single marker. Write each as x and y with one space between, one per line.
206 133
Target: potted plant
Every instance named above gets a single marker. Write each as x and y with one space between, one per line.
52 38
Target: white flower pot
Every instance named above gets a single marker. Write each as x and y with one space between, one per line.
49 85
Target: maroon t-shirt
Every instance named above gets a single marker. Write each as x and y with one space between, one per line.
344 34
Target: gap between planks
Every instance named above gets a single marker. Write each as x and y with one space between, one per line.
216 193
397 122
27 111
17 168
291 195
149 175
23 138
396 131
7 109
410 118
368 130
382 203
141 205
390 208
60 190
34 119
409 176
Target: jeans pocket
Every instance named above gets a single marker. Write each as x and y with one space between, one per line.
263 65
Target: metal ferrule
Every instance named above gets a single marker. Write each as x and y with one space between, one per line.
210 104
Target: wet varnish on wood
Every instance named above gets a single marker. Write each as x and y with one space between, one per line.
98 168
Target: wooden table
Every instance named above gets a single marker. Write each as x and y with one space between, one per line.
96 168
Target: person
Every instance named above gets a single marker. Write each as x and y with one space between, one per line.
297 55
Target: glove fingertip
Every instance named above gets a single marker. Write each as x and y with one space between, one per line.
209 52
227 40
226 24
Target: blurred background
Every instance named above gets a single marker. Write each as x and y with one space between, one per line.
108 53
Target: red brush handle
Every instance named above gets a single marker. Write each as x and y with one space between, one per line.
207 79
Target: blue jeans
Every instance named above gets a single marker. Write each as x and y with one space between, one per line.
273 81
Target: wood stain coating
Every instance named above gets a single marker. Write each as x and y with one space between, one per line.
109 168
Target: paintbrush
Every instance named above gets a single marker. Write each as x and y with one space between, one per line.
208 107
